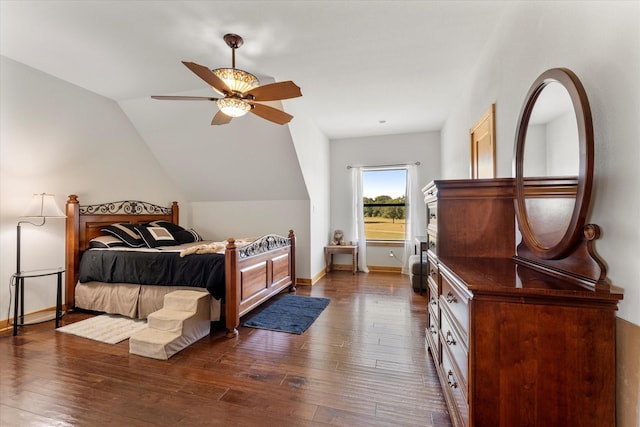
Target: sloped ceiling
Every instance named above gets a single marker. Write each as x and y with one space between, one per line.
248 159
359 63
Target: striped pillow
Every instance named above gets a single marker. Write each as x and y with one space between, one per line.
125 232
106 242
155 236
181 234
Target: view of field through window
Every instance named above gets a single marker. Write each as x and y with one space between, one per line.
380 188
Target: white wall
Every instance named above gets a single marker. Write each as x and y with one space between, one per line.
600 42
313 151
371 151
58 138
220 220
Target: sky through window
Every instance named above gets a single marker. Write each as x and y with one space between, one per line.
391 182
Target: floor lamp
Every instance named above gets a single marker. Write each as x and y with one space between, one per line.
42 206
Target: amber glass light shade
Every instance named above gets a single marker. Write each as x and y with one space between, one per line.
233 107
238 81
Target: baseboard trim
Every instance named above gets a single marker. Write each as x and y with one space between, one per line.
372 268
384 269
301 281
5 325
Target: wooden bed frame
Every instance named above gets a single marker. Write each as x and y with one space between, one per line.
253 273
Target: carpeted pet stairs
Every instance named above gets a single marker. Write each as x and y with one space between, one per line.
183 320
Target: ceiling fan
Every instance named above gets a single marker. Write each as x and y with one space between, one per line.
241 91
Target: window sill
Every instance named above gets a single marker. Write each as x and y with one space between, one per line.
388 243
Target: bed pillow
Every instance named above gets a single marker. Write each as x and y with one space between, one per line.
173 228
182 235
155 236
125 232
187 236
106 242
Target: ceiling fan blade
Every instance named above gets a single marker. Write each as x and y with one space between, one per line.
207 75
220 119
275 91
184 98
271 114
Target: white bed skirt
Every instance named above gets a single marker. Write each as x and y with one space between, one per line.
135 301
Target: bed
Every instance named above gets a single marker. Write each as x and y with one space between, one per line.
253 272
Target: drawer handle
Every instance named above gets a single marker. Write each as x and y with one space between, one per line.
451 380
433 330
432 215
432 245
449 339
434 302
432 273
451 298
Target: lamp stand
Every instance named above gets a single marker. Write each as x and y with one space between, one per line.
18 229
18 271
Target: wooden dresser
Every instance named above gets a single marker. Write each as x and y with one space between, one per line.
513 346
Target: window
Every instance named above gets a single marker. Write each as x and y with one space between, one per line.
384 203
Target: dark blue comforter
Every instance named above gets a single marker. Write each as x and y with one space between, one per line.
154 268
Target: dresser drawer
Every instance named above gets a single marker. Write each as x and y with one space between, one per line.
432 219
433 276
457 303
431 334
457 348
433 295
432 242
430 193
454 393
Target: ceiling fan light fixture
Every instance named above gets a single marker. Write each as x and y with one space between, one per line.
241 91
233 107
238 81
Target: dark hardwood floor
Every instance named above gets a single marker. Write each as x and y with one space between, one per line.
362 363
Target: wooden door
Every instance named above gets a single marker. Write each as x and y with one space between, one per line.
483 146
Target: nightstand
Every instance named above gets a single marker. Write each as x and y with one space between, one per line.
335 249
40 316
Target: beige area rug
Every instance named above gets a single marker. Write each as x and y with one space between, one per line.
107 328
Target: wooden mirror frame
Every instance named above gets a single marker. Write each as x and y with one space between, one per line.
552 186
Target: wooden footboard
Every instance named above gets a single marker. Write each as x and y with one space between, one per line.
256 272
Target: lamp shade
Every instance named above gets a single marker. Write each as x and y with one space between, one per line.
43 206
233 107
238 81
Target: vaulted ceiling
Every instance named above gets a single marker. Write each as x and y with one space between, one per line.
365 68
357 62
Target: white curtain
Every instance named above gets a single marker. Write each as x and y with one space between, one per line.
358 218
412 214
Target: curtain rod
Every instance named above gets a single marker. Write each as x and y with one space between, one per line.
384 166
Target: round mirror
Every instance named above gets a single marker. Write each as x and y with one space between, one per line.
553 164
